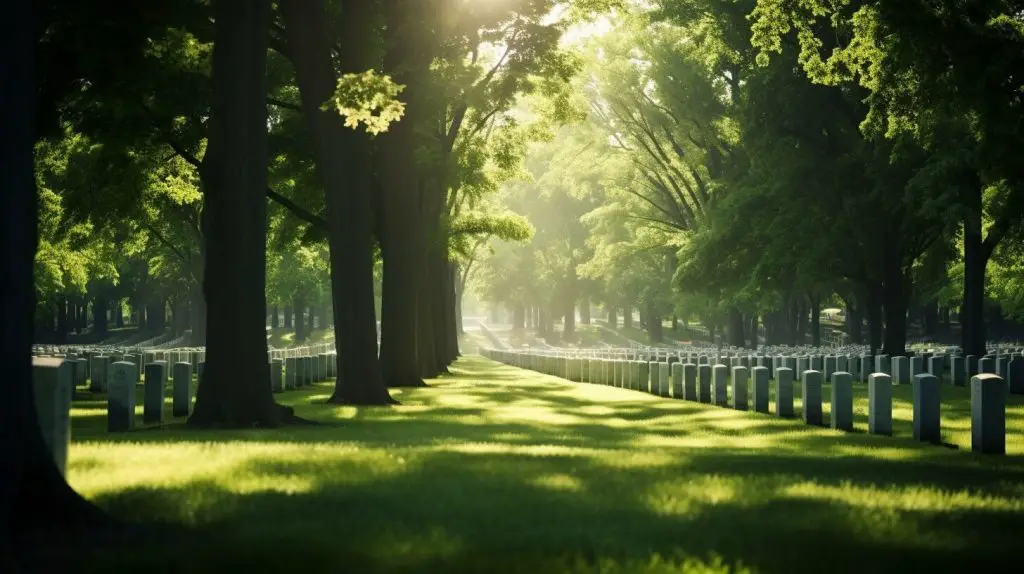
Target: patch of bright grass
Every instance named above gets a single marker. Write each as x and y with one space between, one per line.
497 469
283 338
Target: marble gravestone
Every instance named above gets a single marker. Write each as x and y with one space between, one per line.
153 393
988 414
842 401
121 397
53 386
181 390
760 377
812 397
880 404
784 392
739 388
927 407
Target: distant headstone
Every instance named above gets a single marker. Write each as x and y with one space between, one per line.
739 388
927 405
1003 367
900 370
153 403
916 367
98 378
677 380
812 397
842 401
643 375
988 414
1015 378
163 369
958 371
830 367
53 386
880 404
971 366
663 379
760 378
817 363
987 365
704 378
867 366
882 364
719 379
690 382
936 365
784 392
181 391
121 397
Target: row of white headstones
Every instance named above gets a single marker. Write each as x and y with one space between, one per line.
696 379
57 377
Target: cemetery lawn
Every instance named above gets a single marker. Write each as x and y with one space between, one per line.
496 469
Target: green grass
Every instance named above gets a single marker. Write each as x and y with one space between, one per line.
497 469
282 338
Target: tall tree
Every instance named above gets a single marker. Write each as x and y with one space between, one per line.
36 503
342 156
235 387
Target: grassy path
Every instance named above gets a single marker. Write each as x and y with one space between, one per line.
502 470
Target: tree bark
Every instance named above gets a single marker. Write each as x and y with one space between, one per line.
972 310
299 304
874 312
815 324
287 317
235 387
736 335
342 157
585 310
402 241
99 317
894 302
655 330
275 317
627 316
37 506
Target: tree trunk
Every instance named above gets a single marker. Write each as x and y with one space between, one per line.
736 335
287 317
299 304
585 310
312 321
342 158
655 330
627 316
62 320
235 387
972 310
119 314
815 325
36 504
569 322
613 320
800 321
99 317
403 236
874 312
519 316
894 302
453 312
753 331
275 318
930 318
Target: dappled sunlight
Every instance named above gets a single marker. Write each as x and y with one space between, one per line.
906 498
563 482
686 497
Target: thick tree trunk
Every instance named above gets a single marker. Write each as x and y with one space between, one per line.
119 313
287 317
453 312
930 318
299 304
519 316
815 324
655 330
569 322
99 317
312 320
585 310
342 158
627 316
894 302
972 311
403 236
800 324
37 507
235 387
874 312
62 321
753 331
736 335
275 317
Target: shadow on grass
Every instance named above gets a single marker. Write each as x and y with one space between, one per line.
498 470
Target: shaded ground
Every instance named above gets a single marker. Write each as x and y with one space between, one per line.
502 470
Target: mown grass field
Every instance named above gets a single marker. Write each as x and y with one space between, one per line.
497 469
